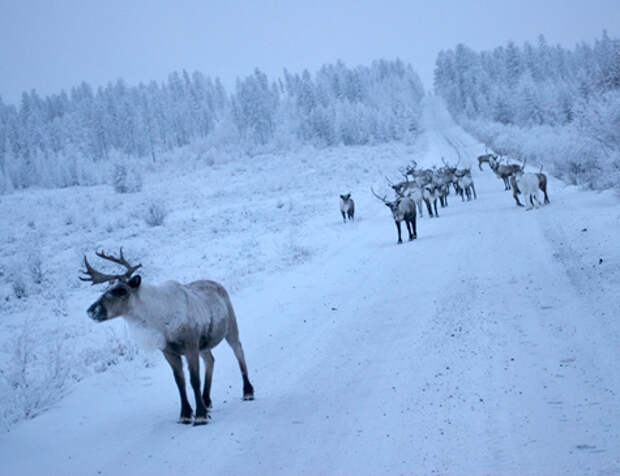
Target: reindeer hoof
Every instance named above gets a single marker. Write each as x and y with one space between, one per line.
248 397
201 420
185 420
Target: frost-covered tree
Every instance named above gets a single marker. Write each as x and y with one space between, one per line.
72 137
533 101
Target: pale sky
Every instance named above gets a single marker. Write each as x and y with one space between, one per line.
49 45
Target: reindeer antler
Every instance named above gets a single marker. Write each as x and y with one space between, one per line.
383 199
96 277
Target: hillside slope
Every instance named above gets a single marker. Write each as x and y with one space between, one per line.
487 346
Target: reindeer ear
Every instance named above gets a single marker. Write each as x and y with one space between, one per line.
134 283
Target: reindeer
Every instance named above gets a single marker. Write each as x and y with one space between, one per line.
485 159
542 185
503 171
465 184
430 190
347 207
528 184
451 174
403 209
409 189
186 320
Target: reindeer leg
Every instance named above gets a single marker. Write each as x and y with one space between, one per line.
435 203
344 217
516 197
544 190
400 240
415 232
233 341
428 207
209 361
474 190
530 204
177 369
193 363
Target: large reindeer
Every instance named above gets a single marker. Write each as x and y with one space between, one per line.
187 320
403 209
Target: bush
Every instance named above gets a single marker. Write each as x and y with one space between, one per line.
35 267
155 213
19 285
36 377
126 179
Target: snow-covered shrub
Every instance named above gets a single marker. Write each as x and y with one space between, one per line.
125 178
156 213
34 377
35 267
18 283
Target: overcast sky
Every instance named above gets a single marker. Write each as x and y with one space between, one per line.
51 45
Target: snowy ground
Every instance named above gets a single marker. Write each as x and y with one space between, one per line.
488 346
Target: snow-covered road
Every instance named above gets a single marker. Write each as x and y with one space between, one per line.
490 345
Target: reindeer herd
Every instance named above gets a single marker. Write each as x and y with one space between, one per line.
191 319
424 187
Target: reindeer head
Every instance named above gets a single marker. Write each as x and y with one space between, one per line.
393 206
114 302
346 197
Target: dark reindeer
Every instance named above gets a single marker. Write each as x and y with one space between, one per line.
403 209
504 171
188 319
485 159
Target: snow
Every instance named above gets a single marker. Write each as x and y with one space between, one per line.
487 346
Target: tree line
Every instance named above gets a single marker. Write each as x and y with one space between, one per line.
550 105
68 138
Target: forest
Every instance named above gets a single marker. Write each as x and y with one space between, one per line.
552 107
81 137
